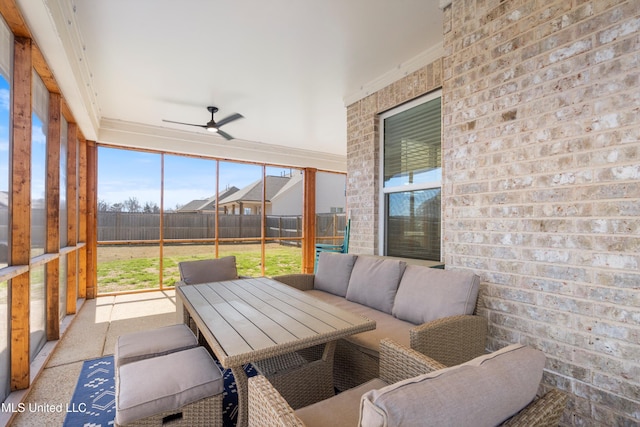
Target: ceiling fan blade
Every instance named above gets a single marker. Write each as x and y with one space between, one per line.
228 119
224 135
182 123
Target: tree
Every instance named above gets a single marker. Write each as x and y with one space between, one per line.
116 207
103 206
150 207
132 205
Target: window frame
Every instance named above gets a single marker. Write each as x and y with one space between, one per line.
385 191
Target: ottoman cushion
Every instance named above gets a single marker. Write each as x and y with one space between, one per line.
156 342
165 383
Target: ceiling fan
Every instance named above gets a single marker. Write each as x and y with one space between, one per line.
212 125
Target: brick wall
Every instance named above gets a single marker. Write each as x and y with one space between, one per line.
541 190
541 185
363 150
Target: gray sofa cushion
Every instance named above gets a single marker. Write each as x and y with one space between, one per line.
208 270
340 410
165 383
387 326
334 271
427 294
482 392
374 282
156 342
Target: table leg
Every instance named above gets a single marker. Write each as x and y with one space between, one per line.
243 395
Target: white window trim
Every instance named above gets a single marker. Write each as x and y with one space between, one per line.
382 191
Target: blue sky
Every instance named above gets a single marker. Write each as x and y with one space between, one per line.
38 148
124 173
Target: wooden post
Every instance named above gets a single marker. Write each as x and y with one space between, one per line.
52 243
92 220
82 219
309 220
161 245
217 214
263 221
20 211
72 216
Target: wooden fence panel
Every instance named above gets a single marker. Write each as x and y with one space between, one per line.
130 226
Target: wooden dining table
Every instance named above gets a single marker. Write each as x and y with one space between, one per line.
252 319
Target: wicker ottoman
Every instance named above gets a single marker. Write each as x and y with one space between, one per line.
182 388
156 342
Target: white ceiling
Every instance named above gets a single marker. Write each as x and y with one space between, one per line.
289 66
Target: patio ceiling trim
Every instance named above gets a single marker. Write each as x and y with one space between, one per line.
401 70
136 135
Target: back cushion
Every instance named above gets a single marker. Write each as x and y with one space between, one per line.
374 282
334 271
427 294
482 392
208 270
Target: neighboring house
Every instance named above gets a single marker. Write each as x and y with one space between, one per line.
283 197
206 205
330 193
288 201
248 200
330 200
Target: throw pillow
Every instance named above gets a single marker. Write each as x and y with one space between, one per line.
427 294
374 282
334 271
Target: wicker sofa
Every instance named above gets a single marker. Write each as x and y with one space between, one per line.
414 390
426 309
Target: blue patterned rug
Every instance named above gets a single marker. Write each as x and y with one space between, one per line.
94 400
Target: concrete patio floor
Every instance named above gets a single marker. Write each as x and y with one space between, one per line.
92 334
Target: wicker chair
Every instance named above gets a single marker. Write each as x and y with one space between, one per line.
300 380
397 363
203 271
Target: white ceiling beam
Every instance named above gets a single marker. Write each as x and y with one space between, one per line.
135 135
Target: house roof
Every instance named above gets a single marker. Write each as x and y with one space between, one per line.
253 191
194 205
207 204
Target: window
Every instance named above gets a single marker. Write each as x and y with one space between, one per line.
39 166
63 223
38 306
129 197
168 208
412 179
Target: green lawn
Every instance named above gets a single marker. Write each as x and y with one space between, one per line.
137 267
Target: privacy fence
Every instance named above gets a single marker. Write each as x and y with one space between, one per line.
131 226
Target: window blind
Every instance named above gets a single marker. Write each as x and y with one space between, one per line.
412 144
